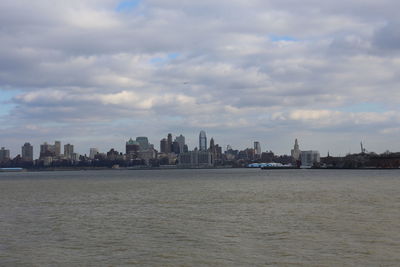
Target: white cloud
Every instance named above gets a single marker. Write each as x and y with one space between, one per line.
78 62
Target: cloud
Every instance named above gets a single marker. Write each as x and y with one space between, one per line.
241 70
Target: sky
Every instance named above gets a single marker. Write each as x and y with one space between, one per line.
96 72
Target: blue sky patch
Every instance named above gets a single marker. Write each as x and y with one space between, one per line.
282 38
364 107
6 104
160 60
128 5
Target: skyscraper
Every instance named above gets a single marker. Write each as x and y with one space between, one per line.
132 147
169 143
4 154
296 151
27 152
68 151
181 141
163 146
257 148
93 152
57 148
143 142
212 145
202 141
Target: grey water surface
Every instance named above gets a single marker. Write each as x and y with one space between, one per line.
223 217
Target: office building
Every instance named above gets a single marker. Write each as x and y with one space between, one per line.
310 158
93 152
47 150
164 146
132 147
68 151
27 152
143 143
181 141
196 159
57 148
202 141
4 154
169 143
257 149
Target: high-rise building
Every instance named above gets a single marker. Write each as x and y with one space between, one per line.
202 141
143 142
27 152
257 148
47 150
310 158
181 141
132 147
68 151
296 151
212 145
164 146
93 153
176 148
4 154
57 148
169 143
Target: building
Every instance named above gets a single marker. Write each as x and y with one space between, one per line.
93 152
4 154
310 158
202 141
181 141
27 152
132 147
164 146
57 148
143 142
68 151
296 151
47 150
257 149
176 148
196 159
169 143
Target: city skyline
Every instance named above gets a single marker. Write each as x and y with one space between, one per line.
158 146
99 72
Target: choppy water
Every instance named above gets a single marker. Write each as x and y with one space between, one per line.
233 217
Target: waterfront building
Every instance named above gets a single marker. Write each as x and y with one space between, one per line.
147 155
68 151
93 152
4 154
27 152
296 151
202 141
257 149
310 158
196 159
132 147
143 142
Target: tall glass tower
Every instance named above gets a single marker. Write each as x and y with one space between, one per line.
202 141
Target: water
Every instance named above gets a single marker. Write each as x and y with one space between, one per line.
232 217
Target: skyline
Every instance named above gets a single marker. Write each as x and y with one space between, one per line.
99 72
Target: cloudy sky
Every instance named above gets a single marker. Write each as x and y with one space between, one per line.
96 72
